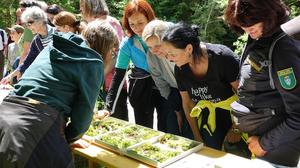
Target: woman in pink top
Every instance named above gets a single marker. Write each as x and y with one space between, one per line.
97 9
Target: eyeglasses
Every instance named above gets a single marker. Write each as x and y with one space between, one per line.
29 23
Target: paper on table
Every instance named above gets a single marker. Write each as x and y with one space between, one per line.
4 91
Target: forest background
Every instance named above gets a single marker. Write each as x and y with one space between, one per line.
207 14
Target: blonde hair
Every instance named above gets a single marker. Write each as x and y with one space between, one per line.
101 37
155 28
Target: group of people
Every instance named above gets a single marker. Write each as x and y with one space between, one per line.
200 90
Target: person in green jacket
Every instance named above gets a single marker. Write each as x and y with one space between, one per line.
52 104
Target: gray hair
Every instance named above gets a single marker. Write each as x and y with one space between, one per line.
34 13
156 28
94 7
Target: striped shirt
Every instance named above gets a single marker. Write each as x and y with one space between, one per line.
46 40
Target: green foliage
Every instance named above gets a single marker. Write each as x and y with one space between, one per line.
173 10
239 44
7 12
116 8
208 15
68 5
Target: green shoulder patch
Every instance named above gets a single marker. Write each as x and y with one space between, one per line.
287 78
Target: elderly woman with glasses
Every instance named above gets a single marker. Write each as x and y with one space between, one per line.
35 19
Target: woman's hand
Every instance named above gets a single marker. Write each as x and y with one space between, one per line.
80 144
179 120
101 114
254 146
6 80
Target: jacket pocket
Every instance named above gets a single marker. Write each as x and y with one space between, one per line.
253 122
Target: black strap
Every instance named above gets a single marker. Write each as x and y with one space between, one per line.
281 35
2 35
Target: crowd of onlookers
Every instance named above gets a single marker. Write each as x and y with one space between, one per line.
60 65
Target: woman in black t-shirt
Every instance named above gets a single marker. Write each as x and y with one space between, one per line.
206 74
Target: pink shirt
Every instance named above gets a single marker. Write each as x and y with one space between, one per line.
117 26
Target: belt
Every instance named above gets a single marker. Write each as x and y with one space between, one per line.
21 100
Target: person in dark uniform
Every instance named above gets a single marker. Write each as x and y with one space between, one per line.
268 108
52 104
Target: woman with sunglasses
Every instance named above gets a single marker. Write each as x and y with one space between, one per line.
269 91
35 19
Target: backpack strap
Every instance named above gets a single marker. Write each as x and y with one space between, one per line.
281 35
268 62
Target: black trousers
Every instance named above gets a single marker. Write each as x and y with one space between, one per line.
32 136
143 97
121 111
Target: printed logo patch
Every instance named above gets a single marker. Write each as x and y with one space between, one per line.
287 78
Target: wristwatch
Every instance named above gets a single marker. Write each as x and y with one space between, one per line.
236 130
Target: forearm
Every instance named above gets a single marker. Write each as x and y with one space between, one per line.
112 95
14 74
192 122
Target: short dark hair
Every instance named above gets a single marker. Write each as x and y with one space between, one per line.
54 9
245 13
26 3
181 34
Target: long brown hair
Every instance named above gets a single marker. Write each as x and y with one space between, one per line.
101 37
67 18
